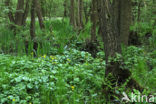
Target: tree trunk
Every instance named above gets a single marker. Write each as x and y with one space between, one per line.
99 5
65 8
81 13
26 11
32 24
72 13
79 16
39 14
109 32
125 20
19 12
93 20
110 24
139 11
122 16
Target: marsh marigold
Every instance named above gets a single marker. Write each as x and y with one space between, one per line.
13 100
72 87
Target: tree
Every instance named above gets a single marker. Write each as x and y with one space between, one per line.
65 8
21 12
125 18
25 15
80 15
39 13
93 20
32 24
115 21
111 33
72 13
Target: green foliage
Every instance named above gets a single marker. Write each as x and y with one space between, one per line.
63 34
6 41
52 8
85 33
57 37
142 64
72 77
69 76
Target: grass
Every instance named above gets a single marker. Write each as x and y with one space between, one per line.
60 35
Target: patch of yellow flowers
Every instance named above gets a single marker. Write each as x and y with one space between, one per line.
44 56
72 87
13 100
68 60
52 57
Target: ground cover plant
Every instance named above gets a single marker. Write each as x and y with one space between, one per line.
77 52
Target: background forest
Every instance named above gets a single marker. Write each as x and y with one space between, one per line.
77 51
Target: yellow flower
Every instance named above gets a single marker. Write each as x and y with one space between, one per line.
69 60
72 87
44 56
52 57
32 53
13 100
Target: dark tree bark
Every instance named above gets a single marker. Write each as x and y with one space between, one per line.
125 19
99 16
26 11
65 8
19 12
109 32
81 13
110 24
93 20
32 24
39 14
139 11
78 15
72 13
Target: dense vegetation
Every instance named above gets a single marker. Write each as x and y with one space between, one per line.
77 51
